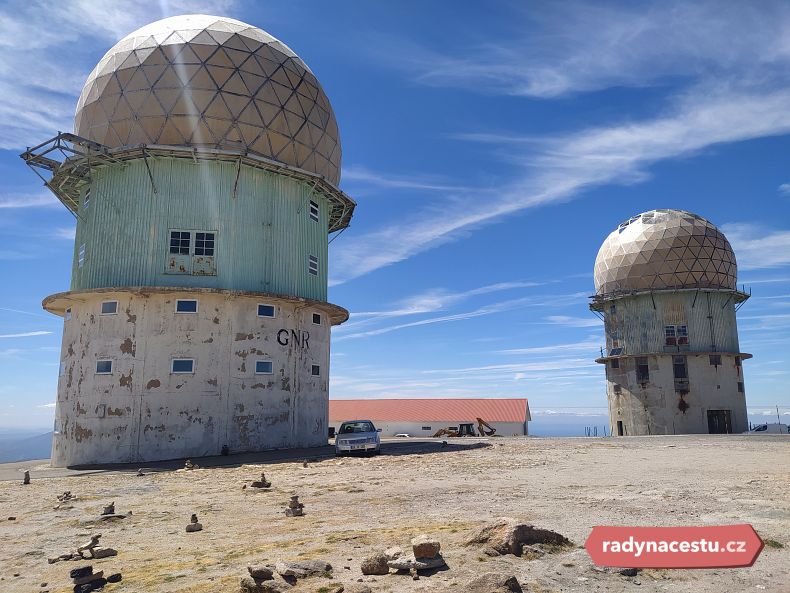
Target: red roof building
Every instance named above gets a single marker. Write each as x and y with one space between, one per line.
423 417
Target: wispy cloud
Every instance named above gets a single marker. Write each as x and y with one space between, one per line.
26 334
65 233
574 321
360 175
27 201
758 247
591 343
785 189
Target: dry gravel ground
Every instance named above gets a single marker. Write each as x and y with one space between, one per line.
355 506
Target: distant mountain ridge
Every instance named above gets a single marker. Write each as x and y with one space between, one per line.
24 446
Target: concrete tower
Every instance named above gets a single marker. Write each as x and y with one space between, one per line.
665 284
203 174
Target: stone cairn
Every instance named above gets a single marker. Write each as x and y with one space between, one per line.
26 478
194 525
425 556
262 483
109 509
85 580
295 508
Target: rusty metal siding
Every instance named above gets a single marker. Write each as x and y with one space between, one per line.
264 231
638 324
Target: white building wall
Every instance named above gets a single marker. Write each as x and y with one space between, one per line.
429 428
142 411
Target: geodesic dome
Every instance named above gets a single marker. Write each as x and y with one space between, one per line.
664 249
198 80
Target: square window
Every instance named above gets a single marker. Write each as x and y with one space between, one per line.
715 359
109 307
81 256
315 370
179 242
265 310
426 428
615 363
264 367
67 315
679 367
312 265
669 331
186 305
642 370
313 211
104 367
317 318
204 244
182 366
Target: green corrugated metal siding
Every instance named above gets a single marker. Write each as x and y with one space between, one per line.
264 234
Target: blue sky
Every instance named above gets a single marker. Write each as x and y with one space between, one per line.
491 148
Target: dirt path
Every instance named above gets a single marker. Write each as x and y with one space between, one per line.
355 506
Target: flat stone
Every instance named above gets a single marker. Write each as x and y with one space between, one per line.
375 564
410 562
261 573
76 573
88 578
425 547
114 578
303 568
493 583
192 527
92 586
99 553
250 585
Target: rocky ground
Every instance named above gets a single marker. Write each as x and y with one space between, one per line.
356 507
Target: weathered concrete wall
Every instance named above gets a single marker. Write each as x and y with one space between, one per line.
142 411
415 429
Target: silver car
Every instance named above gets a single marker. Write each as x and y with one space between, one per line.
357 436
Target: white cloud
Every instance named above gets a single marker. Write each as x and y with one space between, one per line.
363 176
591 343
758 247
26 334
785 189
574 321
50 405
65 233
27 201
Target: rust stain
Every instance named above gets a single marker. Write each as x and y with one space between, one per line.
215 320
242 337
258 386
126 380
208 341
285 384
153 383
93 318
80 410
243 367
115 411
129 317
242 353
128 347
70 350
81 433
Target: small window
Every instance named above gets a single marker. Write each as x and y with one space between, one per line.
186 305
87 199
617 389
740 386
179 242
312 265
615 363
67 315
317 318
104 367
182 365
669 334
683 336
263 367
81 256
109 307
715 359
204 244
679 367
313 211
315 370
426 428
642 370
265 310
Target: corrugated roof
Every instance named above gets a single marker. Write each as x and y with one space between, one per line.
433 410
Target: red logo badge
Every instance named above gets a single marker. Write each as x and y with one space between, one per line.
725 546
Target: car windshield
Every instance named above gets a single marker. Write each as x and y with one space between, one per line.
352 427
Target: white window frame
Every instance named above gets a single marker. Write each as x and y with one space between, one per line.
314 211
67 314
110 360
86 200
319 319
174 372
312 265
81 256
257 372
187 312
274 310
313 368
101 309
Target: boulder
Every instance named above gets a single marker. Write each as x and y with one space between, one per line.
301 569
261 573
507 536
250 585
114 578
192 527
99 553
375 564
493 583
425 547
82 571
410 562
